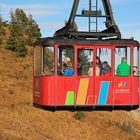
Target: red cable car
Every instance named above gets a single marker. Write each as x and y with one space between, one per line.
97 80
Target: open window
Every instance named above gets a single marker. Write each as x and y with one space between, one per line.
65 60
48 60
37 60
136 61
122 61
103 62
85 62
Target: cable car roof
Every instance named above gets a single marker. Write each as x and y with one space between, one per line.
67 41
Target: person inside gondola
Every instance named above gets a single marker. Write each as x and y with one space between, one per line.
69 70
135 71
90 71
105 68
62 66
123 68
98 66
66 60
59 69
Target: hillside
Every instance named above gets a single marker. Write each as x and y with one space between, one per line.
19 120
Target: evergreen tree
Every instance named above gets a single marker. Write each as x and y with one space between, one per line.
24 31
74 26
32 31
11 43
21 51
0 19
16 41
83 56
2 32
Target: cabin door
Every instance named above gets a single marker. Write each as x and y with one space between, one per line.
84 91
65 85
103 76
122 78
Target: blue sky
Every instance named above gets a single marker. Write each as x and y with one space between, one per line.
51 14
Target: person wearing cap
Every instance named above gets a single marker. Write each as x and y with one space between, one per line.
69 69
66 60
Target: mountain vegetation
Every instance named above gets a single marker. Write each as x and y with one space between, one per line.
22 32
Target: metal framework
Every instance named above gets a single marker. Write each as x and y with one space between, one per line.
111 30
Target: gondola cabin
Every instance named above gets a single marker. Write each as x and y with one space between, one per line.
96 90
95 69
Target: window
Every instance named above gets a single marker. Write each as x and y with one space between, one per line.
85 62
65 66
37 60
136 61
48 60
103 61
122 61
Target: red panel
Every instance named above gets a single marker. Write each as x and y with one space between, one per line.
63 85
48 89
37 89
135 87
90 93
122 91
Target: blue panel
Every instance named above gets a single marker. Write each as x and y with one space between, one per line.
103 93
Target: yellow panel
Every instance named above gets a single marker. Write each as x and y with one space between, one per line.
82 92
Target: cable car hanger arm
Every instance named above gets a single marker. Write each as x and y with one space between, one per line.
111 27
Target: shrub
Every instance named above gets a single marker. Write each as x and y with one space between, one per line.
124 126
79 115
